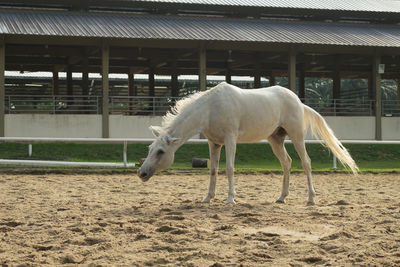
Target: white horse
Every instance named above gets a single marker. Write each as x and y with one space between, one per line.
228 115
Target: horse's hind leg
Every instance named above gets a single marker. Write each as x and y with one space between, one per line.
306 163
215 151
276 140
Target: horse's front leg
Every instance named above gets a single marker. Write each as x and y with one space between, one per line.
215 152
230 149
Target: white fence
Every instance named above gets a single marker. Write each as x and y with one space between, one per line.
125 142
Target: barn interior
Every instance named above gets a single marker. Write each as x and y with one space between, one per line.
159 51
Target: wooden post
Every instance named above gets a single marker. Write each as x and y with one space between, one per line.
151 90
85 74
131 89
228 71
336 80
85 80
69 80
2 87
105 61
202 68
228 76
272 79
257 72
56 87
257 81
376 87
292 70
174 78
174 85
151 82
302 83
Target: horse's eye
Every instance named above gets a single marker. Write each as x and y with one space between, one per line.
160 152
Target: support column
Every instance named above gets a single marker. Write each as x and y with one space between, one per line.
228 71
70 92
228 76
131 89
202 68
131 83
85 80
272 79
174 79
257 80
2 87
152 92
85 74
151 82
336 80
376 87
105 61
56 87
257 72
174 85
69 80
292 70
302 83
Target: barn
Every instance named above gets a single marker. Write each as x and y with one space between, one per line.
112 68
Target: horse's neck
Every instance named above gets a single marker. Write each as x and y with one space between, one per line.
189 123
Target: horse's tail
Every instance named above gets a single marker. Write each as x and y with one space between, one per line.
318 123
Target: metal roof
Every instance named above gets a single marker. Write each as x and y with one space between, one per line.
133 26
343 5
389 6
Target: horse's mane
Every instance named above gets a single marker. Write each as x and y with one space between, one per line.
184 104
180 105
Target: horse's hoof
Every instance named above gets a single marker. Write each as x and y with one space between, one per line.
310 203
280 201
231 202
206 200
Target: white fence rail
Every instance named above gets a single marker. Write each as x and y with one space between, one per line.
126 141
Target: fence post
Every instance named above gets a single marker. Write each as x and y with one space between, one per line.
334 107
9 104
112 104
371 107
154 106
30 150
54 104
334 163
125 156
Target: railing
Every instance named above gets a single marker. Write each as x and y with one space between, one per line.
391 108
342 107
155 106
141 105
126 141
60 104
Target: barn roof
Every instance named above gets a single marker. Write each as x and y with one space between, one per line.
345 5
390 6
168 27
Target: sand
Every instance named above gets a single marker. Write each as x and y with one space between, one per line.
106 220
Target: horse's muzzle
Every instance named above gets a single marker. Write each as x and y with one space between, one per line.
144 176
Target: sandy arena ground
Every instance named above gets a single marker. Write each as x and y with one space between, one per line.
118 220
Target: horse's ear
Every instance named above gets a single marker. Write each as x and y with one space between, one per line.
156 130
172 140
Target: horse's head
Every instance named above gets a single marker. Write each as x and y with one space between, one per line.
161 154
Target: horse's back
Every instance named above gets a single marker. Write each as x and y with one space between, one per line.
253 113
